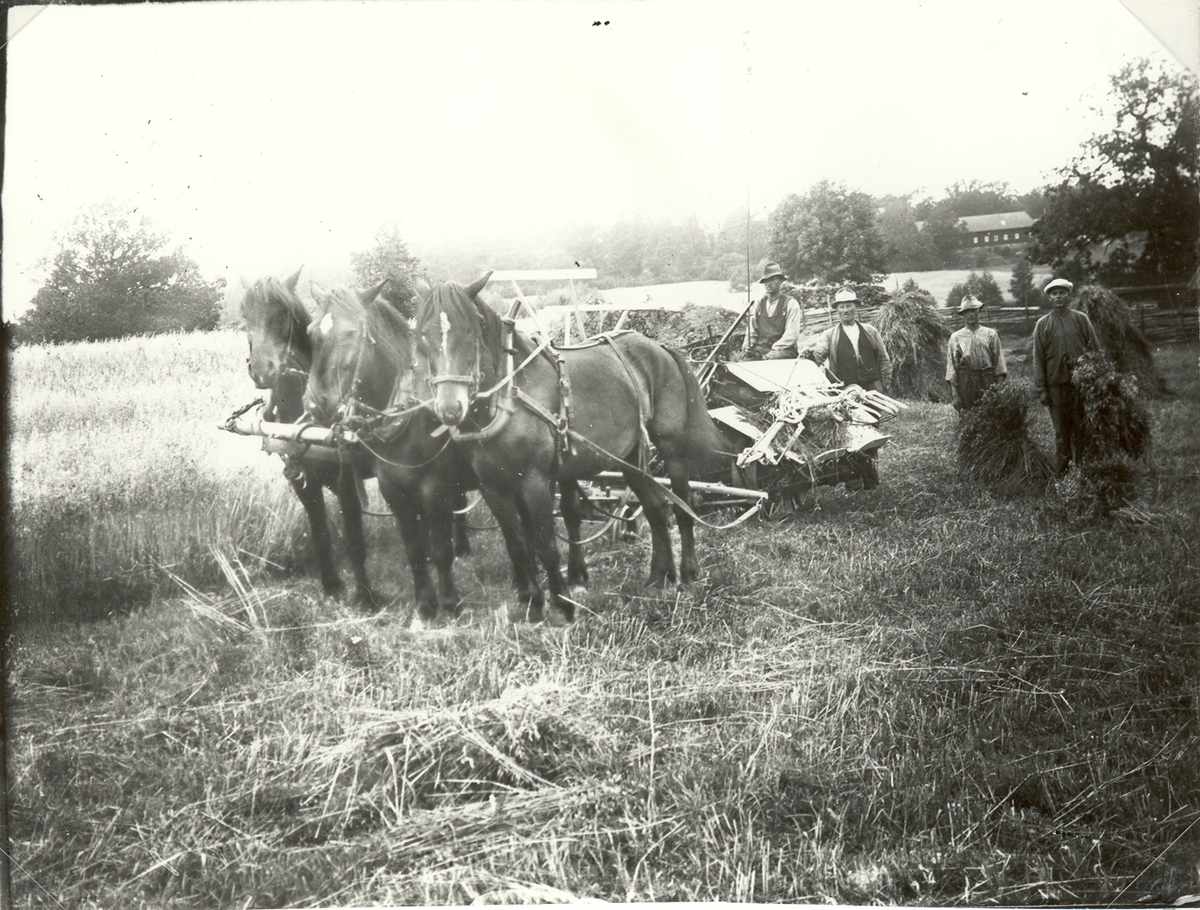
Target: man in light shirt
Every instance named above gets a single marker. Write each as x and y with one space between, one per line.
974 357
775 321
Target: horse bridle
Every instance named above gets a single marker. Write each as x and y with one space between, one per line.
470 381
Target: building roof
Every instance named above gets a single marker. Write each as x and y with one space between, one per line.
1000 222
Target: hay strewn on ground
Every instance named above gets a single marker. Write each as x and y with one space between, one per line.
915 335
1122 339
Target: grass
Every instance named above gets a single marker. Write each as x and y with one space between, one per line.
922 695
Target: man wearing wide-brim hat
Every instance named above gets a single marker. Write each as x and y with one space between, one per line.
775 321
1060 338
974 357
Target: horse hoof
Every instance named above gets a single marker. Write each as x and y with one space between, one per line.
578 593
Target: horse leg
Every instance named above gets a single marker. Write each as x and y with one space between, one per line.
507 510
356 544
414 532
462 542
570 500
689 568
654 502
312 496
441 525
537 496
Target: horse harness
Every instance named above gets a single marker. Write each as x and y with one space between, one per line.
560 423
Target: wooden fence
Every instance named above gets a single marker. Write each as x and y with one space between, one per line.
1160 326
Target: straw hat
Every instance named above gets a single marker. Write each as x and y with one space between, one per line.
969 302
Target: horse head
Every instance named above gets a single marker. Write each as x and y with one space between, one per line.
362 355
455 348
276 321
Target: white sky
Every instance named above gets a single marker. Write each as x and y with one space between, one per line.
266 135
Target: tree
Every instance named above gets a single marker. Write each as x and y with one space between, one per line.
112 278
1021 284
907 248
388 258
1127 210
983 287
828 235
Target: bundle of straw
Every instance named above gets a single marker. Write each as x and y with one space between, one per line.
995 444
915 335
1115 421
1121 337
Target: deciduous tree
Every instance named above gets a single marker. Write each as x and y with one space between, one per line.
388 258
828 235
113 276
1127 209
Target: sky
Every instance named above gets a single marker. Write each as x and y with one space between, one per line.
267 135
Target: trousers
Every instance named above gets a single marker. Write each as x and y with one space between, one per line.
1066 413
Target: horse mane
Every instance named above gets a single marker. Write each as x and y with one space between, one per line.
390 332
272 292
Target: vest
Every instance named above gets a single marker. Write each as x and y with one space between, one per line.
856 368
769 329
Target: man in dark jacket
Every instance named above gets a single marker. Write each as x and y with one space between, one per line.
1060 338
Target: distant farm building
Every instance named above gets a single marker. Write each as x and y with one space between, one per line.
991 230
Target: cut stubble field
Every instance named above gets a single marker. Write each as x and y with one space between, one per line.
926 694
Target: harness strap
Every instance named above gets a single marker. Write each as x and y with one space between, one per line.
645 447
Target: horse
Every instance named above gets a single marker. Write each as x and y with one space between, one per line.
362 379
280 359
534 415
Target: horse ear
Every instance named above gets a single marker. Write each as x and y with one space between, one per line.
291 282
474 289
371 293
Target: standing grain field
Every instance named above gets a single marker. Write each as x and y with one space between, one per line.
928 694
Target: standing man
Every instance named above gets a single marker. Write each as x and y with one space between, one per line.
1060 338
974 357
775 321
856 356
854 349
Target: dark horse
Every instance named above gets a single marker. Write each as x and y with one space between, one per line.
362 379
280 360
564 415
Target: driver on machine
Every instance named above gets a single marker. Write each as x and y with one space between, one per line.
775 321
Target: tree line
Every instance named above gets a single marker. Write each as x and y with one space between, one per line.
1125 211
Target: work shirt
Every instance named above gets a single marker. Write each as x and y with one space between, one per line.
1059 339
766 320
977 350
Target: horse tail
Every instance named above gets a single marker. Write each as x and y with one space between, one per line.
709 446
